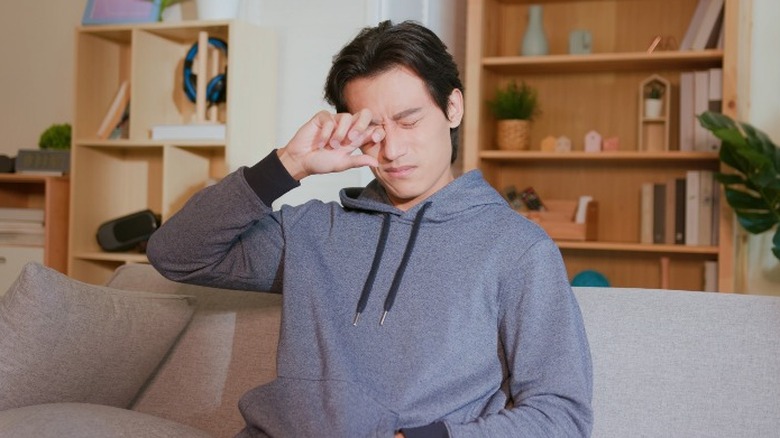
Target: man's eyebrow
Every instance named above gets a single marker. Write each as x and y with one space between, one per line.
406 113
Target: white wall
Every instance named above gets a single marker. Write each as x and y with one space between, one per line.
763 276
36 69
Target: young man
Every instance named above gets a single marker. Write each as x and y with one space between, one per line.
422 305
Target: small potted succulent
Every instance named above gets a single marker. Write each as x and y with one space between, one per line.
653 100
514 107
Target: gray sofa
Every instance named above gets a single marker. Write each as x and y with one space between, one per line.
666 363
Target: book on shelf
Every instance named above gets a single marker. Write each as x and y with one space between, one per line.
646 213
688 120
705 27
694 25
193 131
14 214
115 111
659 213
700 91
710 276
702 206
679 211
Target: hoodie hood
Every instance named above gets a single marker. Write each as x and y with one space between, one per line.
464 193
458 197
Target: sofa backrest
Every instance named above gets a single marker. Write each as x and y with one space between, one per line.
228 348
683 364
665 363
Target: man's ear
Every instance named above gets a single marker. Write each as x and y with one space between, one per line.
455 108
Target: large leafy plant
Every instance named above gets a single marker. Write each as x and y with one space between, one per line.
753 191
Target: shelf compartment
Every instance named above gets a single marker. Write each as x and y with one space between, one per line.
640 269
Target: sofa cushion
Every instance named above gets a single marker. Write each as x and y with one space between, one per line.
62 340
81 420
228 348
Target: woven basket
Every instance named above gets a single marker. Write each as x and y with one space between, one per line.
513 135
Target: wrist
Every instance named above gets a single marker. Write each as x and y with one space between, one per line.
293 167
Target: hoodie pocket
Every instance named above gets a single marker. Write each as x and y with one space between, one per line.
289 407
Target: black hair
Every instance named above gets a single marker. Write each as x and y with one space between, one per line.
409 44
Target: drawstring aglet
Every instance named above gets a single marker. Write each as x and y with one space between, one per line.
357 318
382 321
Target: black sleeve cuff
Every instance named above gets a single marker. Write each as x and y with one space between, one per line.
269 179
433 430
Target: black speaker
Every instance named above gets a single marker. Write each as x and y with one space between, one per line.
128 232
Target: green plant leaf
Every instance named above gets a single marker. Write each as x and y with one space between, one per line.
741 200
728 179
756 223
776 243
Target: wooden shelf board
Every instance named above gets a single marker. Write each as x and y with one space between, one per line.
498 155
125 143
124 257
638 247
605 62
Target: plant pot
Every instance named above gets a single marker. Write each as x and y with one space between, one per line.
653 108
217 9
513 135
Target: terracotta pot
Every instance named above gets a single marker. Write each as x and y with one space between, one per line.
513 135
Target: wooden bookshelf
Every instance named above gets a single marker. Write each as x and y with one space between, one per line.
114 177
598 91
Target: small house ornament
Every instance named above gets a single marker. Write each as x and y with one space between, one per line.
611 144
548 144
563 144
592 141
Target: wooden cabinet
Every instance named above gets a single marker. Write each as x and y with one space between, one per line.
115 177
49 193
598 91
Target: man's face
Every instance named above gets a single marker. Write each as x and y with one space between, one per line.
414 157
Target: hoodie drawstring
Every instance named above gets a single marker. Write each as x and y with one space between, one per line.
380 249
399 273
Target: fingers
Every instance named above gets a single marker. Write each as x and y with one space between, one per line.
351 130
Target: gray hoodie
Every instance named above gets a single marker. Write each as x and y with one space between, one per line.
467 325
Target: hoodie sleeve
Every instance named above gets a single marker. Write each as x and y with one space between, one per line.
226 235
547 353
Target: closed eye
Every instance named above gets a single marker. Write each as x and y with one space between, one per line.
408 124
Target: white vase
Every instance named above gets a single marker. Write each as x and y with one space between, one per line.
534 39
217 9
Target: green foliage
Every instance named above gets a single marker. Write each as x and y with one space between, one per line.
655 91
163 5
753 192
56 136
515 102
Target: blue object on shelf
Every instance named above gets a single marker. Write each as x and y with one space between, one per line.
589 278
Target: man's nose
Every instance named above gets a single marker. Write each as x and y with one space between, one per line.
393 147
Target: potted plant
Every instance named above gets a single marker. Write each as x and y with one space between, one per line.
753 190
514 107
56 136
653 100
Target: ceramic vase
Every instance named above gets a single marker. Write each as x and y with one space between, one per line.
217 9
534 39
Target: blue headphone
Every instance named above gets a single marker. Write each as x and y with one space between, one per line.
216 89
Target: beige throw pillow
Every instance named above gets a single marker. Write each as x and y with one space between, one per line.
62 340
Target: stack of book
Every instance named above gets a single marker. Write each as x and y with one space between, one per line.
683 211
21 226
700 91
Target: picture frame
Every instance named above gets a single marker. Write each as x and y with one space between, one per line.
121 11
